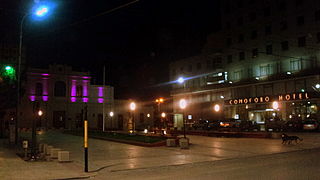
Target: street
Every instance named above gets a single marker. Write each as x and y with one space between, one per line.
303 164
207 158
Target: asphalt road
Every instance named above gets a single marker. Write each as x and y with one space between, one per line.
296 165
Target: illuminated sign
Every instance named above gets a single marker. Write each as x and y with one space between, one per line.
264 99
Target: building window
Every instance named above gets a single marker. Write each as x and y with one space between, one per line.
60 89
79 91
240 38
300 20
254 34
295 65
284 45
198 66
237 75
229 42
229 59
241 56
267 11
254 52
265 70
268 30
39 89
269 49
317 15
302 41
283 25
240 21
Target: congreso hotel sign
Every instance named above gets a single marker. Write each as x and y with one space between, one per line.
265 99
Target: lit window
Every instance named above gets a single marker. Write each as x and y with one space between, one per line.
265 70
295 65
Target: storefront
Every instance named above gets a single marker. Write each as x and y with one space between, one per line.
300 105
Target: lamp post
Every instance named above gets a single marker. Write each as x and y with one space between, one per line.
40 11
159 101
132 108
183 105
111 118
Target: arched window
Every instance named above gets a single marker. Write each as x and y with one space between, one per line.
39 89
60 89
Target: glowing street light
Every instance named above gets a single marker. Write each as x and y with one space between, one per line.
42 10
163 115
40 113
275 105
216 107
111 114
317 86
183 105
132 108
39 10
180 80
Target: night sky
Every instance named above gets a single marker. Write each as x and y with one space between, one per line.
136 42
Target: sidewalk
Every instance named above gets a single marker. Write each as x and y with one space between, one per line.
110 157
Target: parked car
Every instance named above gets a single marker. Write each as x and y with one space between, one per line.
201 124
310 124
274 124
293 125
246 125
213 125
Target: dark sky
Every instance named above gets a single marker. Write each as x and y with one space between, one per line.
136 42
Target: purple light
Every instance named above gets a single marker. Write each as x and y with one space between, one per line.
45 88
85 77
85 87
85 99
45 74
100 93
32 98
100 100
45 98
73 89
73 99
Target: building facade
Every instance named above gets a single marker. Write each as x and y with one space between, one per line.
266 52
62 94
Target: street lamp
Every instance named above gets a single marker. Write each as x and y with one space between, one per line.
111 118
183 105
40 10
216 107
132 108
159 101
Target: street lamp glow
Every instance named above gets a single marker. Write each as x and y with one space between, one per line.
275 105
148 115
180 80
216 108
317 86
111 114
42 11
40 113
163 115
8 68
183 103
132 106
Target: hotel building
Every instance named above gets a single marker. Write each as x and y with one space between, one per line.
264 62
